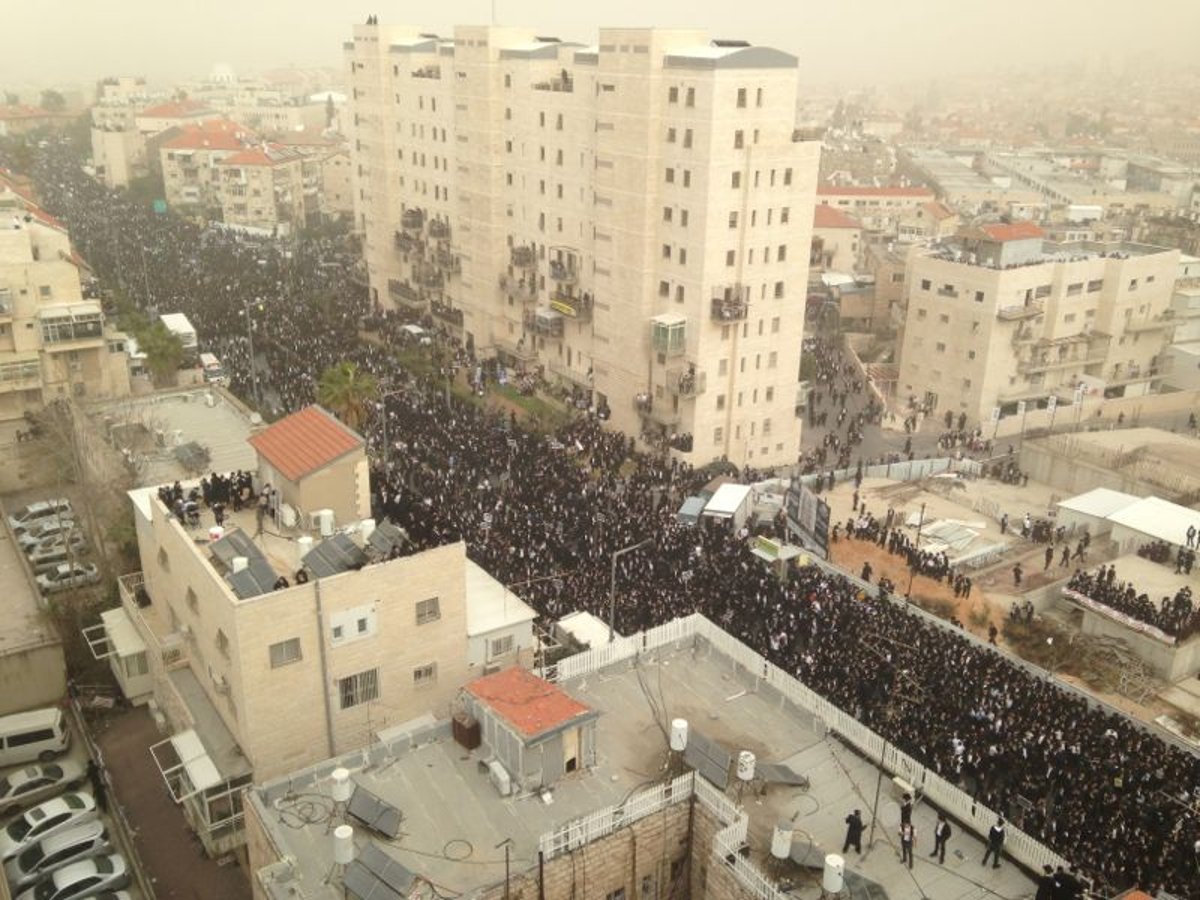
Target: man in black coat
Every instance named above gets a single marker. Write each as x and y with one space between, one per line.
854 832
941 834
995 843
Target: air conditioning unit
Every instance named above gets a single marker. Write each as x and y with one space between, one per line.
499 777
287 515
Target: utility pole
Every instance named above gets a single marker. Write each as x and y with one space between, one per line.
912 571
612 587
253 362
507 845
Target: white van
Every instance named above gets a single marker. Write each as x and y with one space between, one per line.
213 372
40 734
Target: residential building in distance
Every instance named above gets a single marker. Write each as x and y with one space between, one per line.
877 208
268 188
189 160
836 241
999 316
21 119
335 179
928 222
53 342
118 147
632 217
289 635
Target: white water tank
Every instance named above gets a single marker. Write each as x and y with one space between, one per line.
781 840
745 766
366 528
287 515
239 563
216 533
324 521
340 788
343 845
834 875
304 543
679 735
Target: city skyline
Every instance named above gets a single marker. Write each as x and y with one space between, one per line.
854 43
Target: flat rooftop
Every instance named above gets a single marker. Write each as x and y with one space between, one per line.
22 623
449 805
952 250
182 417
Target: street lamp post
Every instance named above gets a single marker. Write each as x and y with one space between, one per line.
912 572
612 587
246 304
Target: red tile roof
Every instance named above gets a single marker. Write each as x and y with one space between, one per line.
305 442
858 190
825 216
214 134
1017 231
938 210
30 205
271 155
527 703
175 109
10 113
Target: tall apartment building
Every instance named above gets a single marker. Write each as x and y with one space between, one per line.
1000 315
53 341
257 670
634 216
269 188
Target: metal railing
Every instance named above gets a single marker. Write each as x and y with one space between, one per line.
1020 311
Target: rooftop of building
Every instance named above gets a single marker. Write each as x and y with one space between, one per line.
960 249
211 134
176 109
13 194
23 623
452 816
305 442
266 154
866 190
825 216
530 705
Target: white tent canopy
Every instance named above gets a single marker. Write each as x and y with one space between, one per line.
1101 503
1155 518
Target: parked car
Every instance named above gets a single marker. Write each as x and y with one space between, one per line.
53 853
45 820
24 517
89 878
38 734
43 529
65 576
31 785
62 547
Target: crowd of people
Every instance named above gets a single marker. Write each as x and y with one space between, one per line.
546 512
1175 615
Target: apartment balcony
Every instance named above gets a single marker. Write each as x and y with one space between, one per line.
20 375
447 313
520 289
643 403
412 220
439 229
686 382
578 308
1027 310
1158 322
406 243
448 262
521 350
428 276
730 304
403 292
562 370
434 72
523 257
668 334
563 272
562 83
1069 361
544 321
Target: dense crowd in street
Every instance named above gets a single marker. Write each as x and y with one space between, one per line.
547 512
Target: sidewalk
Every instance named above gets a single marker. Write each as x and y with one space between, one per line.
172 855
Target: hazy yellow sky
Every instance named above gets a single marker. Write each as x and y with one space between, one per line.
837 40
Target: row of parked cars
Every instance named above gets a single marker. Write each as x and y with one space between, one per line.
55 545
53 843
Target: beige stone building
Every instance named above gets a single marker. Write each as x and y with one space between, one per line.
877 208
836 241
269 188
257 670
118 147
189 159
633 217
1000 316
928 222
53 342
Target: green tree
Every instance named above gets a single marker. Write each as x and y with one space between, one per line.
347 392
164 352
53 101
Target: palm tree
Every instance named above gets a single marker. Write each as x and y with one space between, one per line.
347 392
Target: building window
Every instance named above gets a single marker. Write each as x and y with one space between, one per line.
687 177
772 359
668 213
769 395
425 676
739 139
787 176
784 215
970 354
670 176
691 97
733 220
664 289
285 653
360 688
718 435
1073 289
501 646
670 135
683 256
673 95
428 611
163 560
782 255
775 325
736 180
979 296
666 251
687 139
192 602
683 218
730 257
758 97
720 402
926 284
778 289
941 348
944 319
1133 284
741 98
222 643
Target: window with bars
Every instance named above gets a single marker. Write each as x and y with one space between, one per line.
285 652
359 688
428 611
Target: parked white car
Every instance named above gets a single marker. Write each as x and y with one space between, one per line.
43 529
59 548
45 820
65 576
26 516
53 853
33 784
89 878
